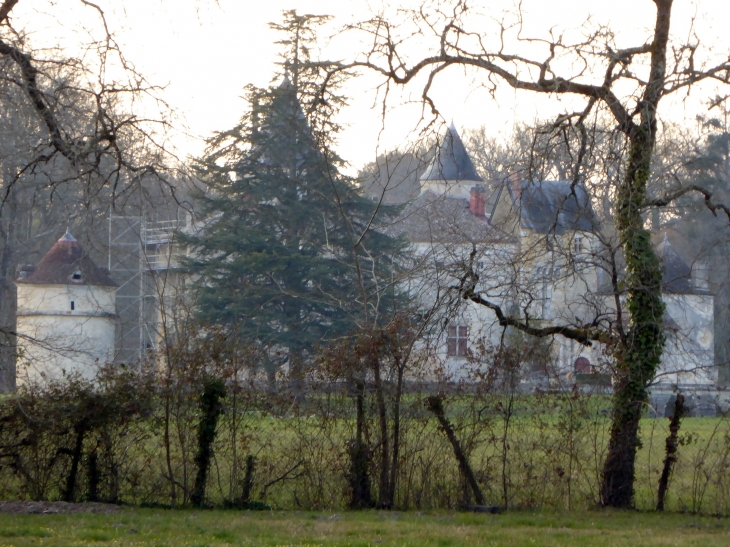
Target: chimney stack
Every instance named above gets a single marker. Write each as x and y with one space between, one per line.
477 201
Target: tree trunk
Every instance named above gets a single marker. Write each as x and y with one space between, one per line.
670 451
359 476
8 304
396 434
383 498
76 453
210 407
94 477
639 354
435 405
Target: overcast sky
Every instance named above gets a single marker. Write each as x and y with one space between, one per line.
205 52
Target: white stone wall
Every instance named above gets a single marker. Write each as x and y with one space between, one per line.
440 265
689 356
55 339
573 299
449 188
57 299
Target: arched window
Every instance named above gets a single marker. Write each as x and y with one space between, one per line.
582 366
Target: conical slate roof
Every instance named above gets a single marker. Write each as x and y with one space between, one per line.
66 263
452 162
677 274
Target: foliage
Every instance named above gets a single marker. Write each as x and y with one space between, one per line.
50 432
537 450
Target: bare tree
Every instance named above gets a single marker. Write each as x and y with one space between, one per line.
654 70
75 145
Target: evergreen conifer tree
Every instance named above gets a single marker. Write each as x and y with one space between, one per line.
290 255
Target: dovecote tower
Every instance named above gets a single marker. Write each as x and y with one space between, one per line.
66 315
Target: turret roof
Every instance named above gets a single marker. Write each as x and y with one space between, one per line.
452 161
66 263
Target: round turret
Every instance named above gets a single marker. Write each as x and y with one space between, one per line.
66 317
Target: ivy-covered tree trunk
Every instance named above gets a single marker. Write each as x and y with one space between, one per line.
210 407
639 353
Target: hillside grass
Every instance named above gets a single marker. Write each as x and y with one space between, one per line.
162 528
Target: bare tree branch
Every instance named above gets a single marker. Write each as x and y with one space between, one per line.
6 8
712 206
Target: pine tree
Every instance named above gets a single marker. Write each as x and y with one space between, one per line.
290 256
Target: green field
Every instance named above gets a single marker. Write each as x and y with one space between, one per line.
155 527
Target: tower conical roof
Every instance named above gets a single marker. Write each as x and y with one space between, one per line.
452 161
66 263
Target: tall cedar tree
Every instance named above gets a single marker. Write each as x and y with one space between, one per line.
291 255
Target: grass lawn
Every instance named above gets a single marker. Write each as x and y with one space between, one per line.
156 527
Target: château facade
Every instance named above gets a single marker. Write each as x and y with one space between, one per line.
540 253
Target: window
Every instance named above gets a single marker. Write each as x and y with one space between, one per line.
72 305
578 244
76 276
456 341
544 294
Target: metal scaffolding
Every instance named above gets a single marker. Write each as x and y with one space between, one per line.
139 254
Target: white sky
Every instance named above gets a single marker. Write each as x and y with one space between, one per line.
205 52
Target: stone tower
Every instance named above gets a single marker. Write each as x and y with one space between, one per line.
66 315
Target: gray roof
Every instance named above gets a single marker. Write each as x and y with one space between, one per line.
553 206
434 218
451 162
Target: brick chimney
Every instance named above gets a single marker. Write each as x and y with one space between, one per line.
477 201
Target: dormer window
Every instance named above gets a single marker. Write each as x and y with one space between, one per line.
76 276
